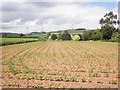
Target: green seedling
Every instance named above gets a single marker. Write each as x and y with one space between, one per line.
106 75
83 79
99 80
96 75
113 82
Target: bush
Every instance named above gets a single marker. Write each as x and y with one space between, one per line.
53 37
76 37
66 37
96 35
114 40
115 37
85 35
107 32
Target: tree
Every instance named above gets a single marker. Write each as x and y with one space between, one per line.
107 25
4 34
86 35
48 34
96 35
109 20
21 35
66 36
65 32
53 37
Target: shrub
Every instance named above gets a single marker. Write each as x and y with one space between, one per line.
115 37
76 37
85 36
96 35
66 37
53 37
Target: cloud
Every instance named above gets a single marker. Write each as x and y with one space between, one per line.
50 16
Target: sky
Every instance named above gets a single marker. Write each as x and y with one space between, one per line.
26 17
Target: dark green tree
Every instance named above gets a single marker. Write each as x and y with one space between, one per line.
86 35
66 35
53 37
96 35
108 25
21 35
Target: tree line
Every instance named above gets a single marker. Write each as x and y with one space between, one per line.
108 31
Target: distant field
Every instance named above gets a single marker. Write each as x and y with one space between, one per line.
8 41
60 64
76 31
71 32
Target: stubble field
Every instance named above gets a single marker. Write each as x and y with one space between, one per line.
60 64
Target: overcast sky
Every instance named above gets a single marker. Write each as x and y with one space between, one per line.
52 16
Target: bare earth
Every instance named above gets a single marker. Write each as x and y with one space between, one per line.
60 64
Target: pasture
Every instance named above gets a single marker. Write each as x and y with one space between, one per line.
9 41
60 64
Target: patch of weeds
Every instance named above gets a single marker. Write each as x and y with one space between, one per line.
113 82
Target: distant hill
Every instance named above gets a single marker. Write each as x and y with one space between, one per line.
74 31
10 34
37 34
34 33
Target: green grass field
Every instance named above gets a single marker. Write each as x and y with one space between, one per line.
8 41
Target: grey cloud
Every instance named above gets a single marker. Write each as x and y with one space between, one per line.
43 4
13 11
10 7
6 27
